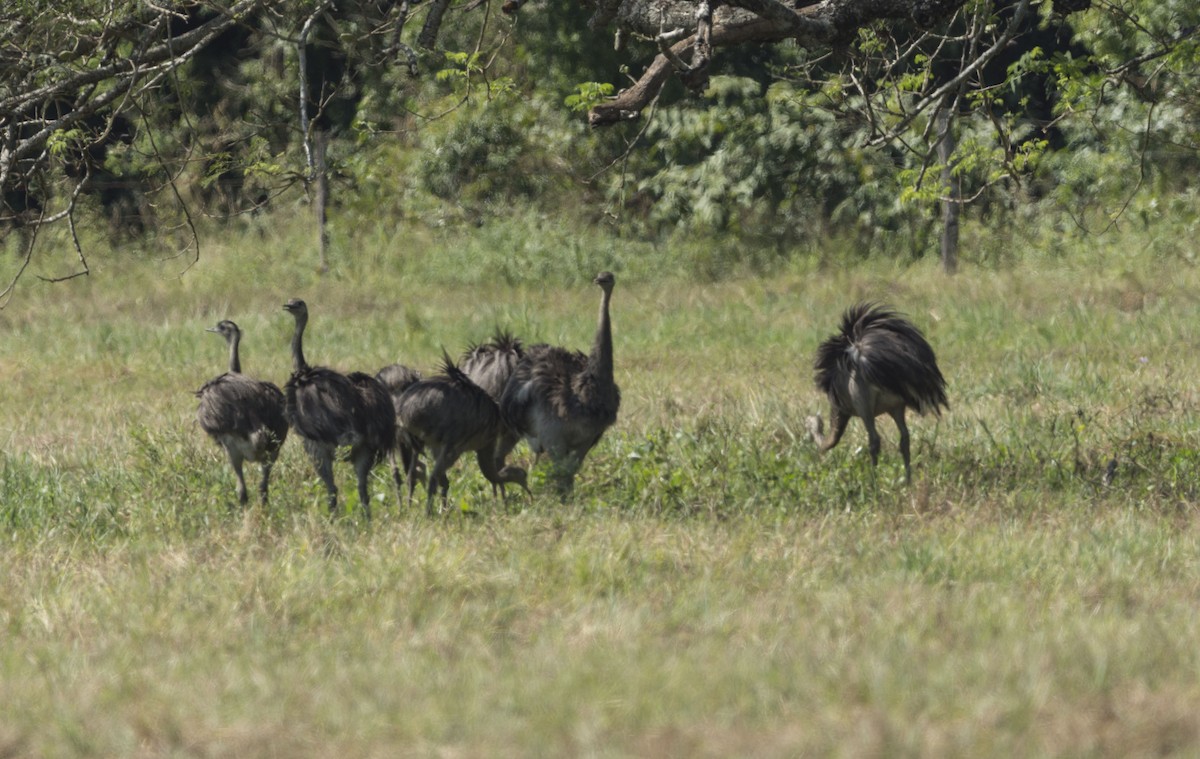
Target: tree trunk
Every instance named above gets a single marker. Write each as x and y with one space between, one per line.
321 196
952 185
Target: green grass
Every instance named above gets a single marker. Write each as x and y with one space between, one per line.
715 588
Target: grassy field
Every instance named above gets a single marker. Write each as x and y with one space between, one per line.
714 588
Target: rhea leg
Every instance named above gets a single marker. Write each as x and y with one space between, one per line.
873 440
898 417
322 458
437 476
505 442
443 459
235 460
864 399
396 476
265 483
364 459
410 467
489 461
564 465
409 463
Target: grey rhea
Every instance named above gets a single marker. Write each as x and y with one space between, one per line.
330 410
396 378
450 415
877 363
562 401
244 415
490 365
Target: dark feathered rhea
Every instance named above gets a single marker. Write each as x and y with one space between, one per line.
877 363
490 365
450 415
562 401
331 410
396 378
244 415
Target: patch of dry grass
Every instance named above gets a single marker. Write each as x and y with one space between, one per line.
561 633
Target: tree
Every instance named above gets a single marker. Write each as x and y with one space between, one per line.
686 34
963 97
79 78
67 81
1017 77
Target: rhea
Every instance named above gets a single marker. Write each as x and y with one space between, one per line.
562 401
396 378
877 363
244 415
330 410
490 365
450 415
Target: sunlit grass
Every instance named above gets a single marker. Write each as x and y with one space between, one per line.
714 588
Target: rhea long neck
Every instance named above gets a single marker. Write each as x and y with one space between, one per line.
298 362
601 360
235 363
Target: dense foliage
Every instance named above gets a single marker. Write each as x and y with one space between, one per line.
1083 109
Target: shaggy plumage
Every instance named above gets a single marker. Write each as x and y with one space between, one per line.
244 415
490 365
878 363
562 401
450 415
396 378
330 410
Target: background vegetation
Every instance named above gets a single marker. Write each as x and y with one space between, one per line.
1088 113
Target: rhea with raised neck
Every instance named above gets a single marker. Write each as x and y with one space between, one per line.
299 311
233 336
601 360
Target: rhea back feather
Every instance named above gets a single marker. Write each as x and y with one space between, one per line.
878 362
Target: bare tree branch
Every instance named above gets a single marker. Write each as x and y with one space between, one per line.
828 23
433 23
965 73
397 44
92 91
43 220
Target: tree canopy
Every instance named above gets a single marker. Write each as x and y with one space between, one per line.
841 112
